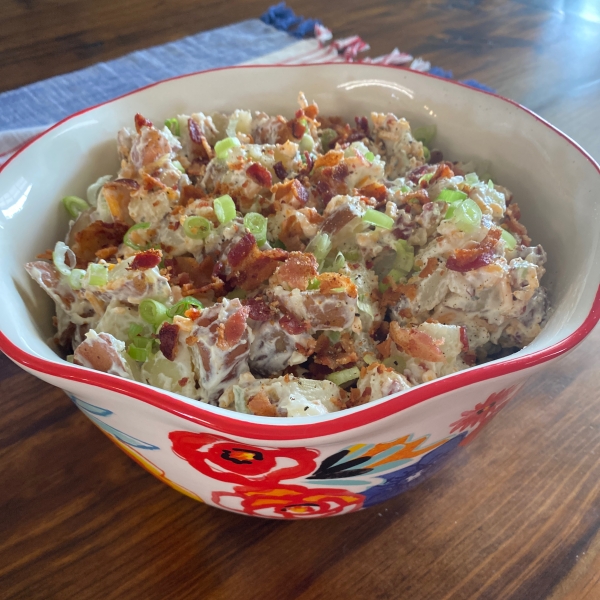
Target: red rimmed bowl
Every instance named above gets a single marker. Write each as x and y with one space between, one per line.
339 463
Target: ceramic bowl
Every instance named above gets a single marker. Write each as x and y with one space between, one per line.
339 463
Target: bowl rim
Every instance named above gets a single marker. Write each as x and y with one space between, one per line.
245 426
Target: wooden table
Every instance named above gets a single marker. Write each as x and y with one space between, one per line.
516 515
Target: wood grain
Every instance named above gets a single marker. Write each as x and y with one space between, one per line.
516 515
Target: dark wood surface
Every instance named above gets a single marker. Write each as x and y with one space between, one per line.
516 515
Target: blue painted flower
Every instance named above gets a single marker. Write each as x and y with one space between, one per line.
403 480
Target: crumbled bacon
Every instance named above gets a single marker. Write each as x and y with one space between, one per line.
200 145
293 325
259 310
396 291
233 329
148 259
378 191
291 233
291 192
421 195
186 269
429 268
241 250
260 175
416 343
513 214
118 196
443 171
298 130
141 121
480 255
168 337
280 170
190 193
260 405
297 270
335 355
183 381
385 348
94 237
107 253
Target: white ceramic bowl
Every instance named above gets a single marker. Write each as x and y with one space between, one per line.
306 467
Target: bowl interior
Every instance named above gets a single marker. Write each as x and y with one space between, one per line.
554 183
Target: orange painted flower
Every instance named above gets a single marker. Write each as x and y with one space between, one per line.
235 462
289 501
482 414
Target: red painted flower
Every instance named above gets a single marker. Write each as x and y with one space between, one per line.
482 414
235 462
289 501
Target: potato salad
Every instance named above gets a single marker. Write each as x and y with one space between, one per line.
289 267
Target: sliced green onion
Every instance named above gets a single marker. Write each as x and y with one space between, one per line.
426 153
334 336
379 219
142 342
127 237
405 189
341 377
490 184
327 136
320 246
97 274
178 166
364 306
471 178
153 312
397 275
197 227
224 208
75 205
135 329
352 255
75 278
237 293
451 196
256 224
222 147
450 211
307 143
59 255
398 363
314 284
70 358
425 177
173 125
370 156
509 239
425 134
184 304
467 215
139 354
369 358
405 256
339 262
337 290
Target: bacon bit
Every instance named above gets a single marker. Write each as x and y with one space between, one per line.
168 337
430 267
298 130
421 195
298 269
189 193
331 159
340 172
260 175
437 156
192 313
106 253
443 171
259 310
46 255
291 192
182 382
280 170
174 226
482 254
200 145
337 355
311 111
148 259
293 325
241 250
464 339
94 237
186 269
378 191
362 124
385 348
307 350
337 220
406 313
357 398
191 340
291 233
470 358
260 405
231 332
118 196
381 332
396 291
141 121
217 286
416 343
417 173
511 220
331 281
